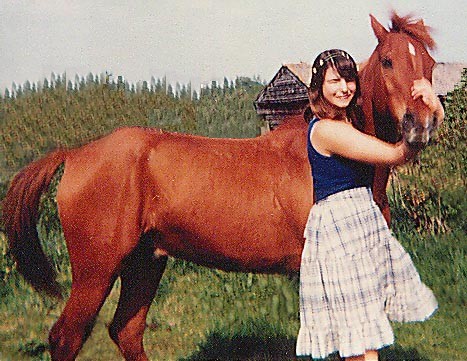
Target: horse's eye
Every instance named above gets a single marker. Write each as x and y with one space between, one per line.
387 63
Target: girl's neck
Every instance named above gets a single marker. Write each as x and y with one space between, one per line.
336 113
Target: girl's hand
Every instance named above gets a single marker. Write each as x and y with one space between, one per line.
422 89
408 151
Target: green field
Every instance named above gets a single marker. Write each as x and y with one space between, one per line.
204 314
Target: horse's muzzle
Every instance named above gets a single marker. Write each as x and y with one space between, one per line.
416 132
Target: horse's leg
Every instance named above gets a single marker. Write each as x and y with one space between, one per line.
95 261
88 294
379 191
140 279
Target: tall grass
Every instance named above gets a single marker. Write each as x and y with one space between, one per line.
205 314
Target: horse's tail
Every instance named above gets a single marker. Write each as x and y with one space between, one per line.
20 214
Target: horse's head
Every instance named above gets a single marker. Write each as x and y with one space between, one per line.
400 57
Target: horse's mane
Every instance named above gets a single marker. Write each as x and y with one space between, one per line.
414 28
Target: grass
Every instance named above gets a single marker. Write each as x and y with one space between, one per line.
204 314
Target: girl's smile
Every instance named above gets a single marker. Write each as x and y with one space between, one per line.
337 90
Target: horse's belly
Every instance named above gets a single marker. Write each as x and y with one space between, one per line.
267 252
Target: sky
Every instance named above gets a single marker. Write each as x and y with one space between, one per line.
199 41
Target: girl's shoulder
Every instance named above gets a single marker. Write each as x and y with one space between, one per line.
332 125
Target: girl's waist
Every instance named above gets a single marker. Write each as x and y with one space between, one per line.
355 194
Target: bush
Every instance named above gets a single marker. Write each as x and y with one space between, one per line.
430 193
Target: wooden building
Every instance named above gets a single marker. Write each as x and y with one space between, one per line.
287 93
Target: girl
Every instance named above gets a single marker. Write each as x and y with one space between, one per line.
354 275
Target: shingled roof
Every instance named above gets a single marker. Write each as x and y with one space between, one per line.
286 93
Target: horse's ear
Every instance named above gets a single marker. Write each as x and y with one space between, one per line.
378 29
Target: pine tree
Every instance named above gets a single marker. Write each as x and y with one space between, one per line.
170 92
226 85
188 90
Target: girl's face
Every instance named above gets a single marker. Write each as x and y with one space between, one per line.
336 90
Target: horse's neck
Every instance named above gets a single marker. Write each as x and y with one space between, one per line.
385 126
377 116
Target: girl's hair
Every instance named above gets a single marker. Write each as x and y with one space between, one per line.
344 64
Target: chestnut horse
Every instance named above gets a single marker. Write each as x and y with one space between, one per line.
131 199
400 57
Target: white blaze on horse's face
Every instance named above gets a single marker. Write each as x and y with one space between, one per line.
418 122
411 49
415 133
413 54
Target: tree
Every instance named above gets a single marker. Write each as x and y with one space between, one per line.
184 93
250 85
188 90
19 91
27 87
164 84
120 84
170 92
178 90
90 79
70 86
159 88
226 85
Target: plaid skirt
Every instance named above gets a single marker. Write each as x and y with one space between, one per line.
354 278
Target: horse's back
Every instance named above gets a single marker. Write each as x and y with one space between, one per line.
102 162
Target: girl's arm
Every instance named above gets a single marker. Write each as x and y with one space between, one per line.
336 137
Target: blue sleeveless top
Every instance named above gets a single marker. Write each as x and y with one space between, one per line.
335 174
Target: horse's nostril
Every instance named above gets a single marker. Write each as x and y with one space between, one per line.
408 121
414 132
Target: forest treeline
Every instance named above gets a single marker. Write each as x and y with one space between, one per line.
37 117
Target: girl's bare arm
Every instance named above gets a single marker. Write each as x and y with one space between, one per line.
339 138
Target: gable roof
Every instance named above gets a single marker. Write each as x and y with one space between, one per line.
287 91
